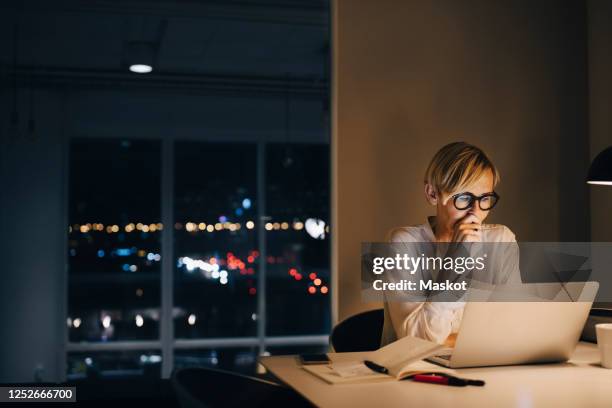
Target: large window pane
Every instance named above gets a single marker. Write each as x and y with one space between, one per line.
114 240
297 234
216 242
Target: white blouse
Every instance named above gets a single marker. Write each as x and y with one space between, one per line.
435 321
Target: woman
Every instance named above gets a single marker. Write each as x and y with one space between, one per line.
459 183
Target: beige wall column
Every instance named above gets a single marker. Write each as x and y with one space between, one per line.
600 108
412 75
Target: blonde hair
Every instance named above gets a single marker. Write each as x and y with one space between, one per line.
457 165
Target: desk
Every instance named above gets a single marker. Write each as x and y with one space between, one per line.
581 382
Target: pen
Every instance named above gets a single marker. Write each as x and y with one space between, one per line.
447 380
375 367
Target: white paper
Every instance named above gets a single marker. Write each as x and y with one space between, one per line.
352 369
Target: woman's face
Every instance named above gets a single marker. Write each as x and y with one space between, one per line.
446 211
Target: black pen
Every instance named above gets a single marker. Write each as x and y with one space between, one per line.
375 367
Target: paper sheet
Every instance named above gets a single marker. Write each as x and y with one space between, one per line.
352 369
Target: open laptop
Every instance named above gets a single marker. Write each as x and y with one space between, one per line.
506 333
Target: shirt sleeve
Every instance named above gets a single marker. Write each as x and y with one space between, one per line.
432 321
511 258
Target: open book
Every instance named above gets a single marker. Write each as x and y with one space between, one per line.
402 358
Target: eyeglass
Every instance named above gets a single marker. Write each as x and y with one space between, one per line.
487 201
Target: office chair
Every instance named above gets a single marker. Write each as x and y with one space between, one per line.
360 332
209 388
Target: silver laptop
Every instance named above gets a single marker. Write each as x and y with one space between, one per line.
506 333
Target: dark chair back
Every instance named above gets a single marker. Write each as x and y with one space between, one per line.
209 388
596 316
360 332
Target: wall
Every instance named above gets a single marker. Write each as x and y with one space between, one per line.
410 76
32 242
600 102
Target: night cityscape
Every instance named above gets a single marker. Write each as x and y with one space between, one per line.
114 248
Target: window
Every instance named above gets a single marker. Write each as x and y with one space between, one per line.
297 235
216 248
114 241
250 267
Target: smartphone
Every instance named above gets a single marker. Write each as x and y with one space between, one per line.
308 359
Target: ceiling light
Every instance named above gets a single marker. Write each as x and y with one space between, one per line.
141 68
140 56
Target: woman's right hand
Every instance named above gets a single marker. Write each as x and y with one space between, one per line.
467 229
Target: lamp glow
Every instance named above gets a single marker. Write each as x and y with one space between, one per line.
600 183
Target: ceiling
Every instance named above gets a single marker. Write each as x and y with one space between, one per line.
261 39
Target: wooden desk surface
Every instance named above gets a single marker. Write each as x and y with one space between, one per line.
581 382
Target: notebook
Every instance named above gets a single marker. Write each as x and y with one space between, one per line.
403 358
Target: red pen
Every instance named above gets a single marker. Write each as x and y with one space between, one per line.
446 380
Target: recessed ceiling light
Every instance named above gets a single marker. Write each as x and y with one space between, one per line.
141 68
141 56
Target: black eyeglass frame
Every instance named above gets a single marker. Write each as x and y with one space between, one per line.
476 198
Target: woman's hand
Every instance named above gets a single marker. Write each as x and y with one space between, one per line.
467 229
